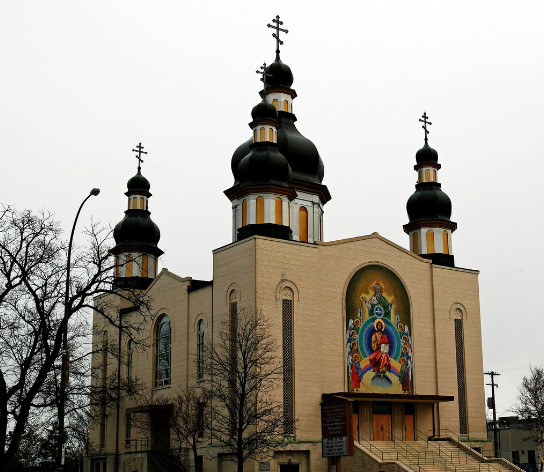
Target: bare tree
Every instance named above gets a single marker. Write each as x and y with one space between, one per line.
189 419
32 316
242 370
530 407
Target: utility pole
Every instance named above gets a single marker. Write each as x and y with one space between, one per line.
495 429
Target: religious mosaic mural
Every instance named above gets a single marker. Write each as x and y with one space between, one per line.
378 332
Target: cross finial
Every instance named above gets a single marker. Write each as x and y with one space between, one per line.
140 150
263 74
277 33
425 123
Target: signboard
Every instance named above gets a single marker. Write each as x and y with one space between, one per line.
335 447
336 428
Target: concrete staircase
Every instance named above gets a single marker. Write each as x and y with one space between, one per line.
445 455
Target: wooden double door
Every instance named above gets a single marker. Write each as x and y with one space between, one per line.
382 421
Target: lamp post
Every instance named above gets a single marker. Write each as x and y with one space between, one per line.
64 326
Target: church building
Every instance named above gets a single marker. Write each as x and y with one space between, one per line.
392 333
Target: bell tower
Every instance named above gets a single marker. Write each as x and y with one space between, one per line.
429 209
136 236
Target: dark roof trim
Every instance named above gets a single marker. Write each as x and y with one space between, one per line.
387 397
198 284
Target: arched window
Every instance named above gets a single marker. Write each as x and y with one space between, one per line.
233 325
287 308
434 175
162 352
117 266
128 266
430 241
260 210
420 176
415 242
271 135
279 211
134 203
427 175
145 265
445 243
275 103
262 134
104 381
285 105
200 348
142 203
255 135
130 352
244 213
460 364
303 224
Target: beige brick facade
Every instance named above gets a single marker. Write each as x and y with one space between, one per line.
258 268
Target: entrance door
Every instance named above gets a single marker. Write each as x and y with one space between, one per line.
355 421
381 419
289 467
409 422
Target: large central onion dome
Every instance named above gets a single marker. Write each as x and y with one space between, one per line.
428 202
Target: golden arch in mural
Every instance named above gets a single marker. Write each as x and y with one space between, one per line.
378 332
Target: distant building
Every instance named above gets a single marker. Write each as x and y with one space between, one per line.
515 443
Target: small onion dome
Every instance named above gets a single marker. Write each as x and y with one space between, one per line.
426 154
138 182
428 202
279 74
301 153
264 111
137 229
264 165
241 152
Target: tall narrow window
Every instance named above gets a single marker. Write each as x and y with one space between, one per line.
460 361
117 266
130 351
427 175
162 352
445 243
260 210
134 203
244 213
262 135
415 242
279 211
103 387
145 265
430 241
255 135
434 175
303 224
420 176
271 135
275 103
142 203
233 324
128 266
200 349
285 105
200 419
288 367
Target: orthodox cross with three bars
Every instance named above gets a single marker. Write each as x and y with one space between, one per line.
263 74
140 150
277 33
425 123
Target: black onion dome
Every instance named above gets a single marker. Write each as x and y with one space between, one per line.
241 152
138 182
279 74
264 165
136 229
428 202
426 154
264 111
301 153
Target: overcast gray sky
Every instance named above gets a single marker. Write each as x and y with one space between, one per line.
84 82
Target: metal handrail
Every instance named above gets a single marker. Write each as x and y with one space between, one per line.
137 445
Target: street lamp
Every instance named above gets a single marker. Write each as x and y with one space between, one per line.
64 326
